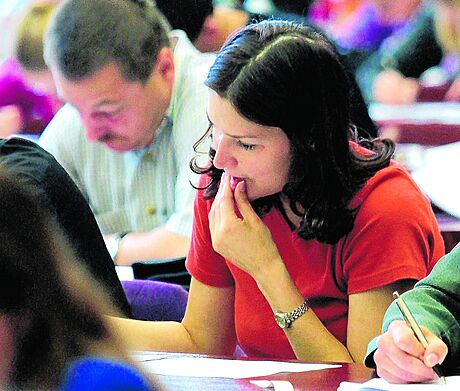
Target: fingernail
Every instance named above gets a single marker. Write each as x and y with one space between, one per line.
432 359
243 186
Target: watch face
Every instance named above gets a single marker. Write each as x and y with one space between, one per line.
280 320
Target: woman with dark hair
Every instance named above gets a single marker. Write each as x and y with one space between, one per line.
53 334
301 231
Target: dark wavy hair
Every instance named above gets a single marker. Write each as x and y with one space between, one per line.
283 74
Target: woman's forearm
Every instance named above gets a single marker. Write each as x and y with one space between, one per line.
309 338
155 336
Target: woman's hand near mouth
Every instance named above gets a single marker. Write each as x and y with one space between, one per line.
245 241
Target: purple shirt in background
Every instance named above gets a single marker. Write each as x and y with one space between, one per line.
37 109
364 30
360 30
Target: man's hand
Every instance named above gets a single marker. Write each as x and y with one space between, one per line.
453 93
155 244
391 87
10 120
401 358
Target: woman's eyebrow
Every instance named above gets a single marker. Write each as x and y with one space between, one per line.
255 136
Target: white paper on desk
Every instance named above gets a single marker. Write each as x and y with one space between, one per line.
453 383
437 177
233 369
423 113
140 356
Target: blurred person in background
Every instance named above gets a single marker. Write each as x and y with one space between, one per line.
440 82
207 25
27 92
358 27
389 75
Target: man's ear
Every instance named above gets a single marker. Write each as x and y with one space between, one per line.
164 65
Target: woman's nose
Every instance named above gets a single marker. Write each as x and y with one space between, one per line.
223 158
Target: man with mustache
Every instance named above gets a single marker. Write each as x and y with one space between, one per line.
136 104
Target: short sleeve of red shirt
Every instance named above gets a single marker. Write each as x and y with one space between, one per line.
395 235
203 263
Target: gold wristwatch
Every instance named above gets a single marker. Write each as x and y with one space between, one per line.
285 319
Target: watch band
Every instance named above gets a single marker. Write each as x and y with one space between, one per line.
285 319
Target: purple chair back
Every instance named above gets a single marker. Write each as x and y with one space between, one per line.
155 300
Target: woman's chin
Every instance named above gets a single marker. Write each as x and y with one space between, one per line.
253 195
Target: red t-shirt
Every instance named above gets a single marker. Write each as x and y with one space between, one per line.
395 237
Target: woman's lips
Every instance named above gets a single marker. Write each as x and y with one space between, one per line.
234 181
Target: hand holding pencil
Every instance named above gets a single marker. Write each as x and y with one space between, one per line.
412 323
402 358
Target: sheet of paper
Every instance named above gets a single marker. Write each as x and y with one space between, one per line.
233 369
436 177
277 385
140 356
125 273
453 383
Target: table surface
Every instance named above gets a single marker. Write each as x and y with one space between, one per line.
326 379
433 123
446 113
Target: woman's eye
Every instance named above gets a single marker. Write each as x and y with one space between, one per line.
246 147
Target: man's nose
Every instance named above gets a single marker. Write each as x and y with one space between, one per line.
94 127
